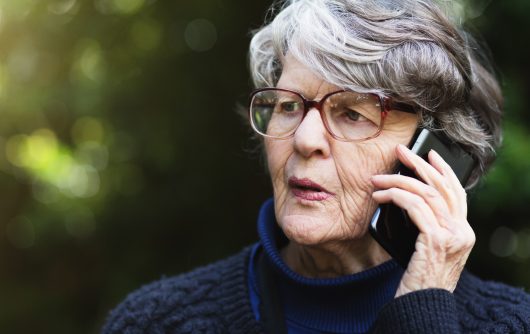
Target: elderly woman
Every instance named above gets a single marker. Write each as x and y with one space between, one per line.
343 86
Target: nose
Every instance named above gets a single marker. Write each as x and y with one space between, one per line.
311 138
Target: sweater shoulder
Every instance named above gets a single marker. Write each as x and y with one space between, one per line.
488 306
194 302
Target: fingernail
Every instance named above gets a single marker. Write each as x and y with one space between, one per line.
435 153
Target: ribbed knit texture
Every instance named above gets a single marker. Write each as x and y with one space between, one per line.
437 311
215 299
210 299
347 304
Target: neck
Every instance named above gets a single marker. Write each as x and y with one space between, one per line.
334 259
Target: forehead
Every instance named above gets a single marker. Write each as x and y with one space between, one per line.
298 77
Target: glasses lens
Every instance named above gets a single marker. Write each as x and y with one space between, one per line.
353 116
276 113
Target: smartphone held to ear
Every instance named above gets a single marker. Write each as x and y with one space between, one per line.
391 227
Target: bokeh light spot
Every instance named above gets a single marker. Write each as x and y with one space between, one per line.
61 7
88 62
127 7
47 161
33 152
58 170
21 233
22 61
103 6
93 154
146 34
200 35
503 242
39 149
523 244
18 10
87 129
83 181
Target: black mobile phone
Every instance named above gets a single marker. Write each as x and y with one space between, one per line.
390 226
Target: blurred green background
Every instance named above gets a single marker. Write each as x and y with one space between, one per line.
123 158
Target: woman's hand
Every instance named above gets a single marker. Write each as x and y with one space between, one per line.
438 207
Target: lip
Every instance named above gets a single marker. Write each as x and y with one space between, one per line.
307 189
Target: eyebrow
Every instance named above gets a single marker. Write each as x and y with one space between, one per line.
306 96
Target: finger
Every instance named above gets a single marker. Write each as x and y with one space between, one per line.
430 175
419 166
436 160
430 195
417 209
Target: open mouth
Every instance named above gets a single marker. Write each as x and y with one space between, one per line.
308 190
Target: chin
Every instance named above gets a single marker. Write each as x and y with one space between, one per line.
313 223
310 230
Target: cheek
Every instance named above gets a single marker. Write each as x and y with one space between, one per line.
354 168
277 153
377 156
356 165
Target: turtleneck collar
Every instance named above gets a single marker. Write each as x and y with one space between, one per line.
345 304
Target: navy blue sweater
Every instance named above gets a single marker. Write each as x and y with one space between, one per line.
346 304
215 299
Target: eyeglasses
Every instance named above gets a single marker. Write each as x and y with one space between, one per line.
347 115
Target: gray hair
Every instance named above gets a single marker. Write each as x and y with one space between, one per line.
408 49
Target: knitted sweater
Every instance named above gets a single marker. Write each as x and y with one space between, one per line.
303 305
215 299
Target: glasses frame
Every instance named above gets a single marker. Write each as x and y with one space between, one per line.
385 103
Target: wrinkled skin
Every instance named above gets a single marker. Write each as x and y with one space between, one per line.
329 238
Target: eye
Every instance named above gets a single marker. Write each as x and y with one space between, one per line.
354 115
290 106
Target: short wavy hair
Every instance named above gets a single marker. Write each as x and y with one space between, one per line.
408 49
